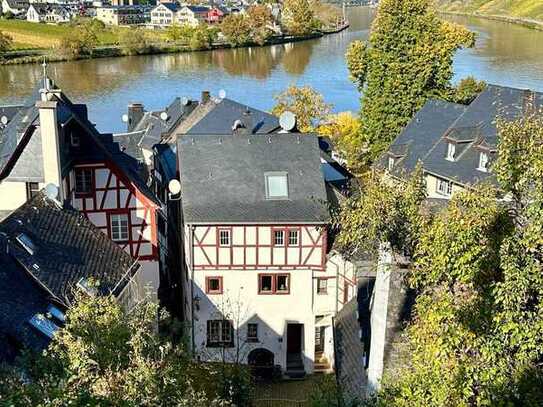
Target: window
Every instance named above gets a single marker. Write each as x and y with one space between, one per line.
119 227
322 285
224 237
32 189
266 284
214 285
274 284
44 325
83 180
252 332
293 238
220 332
278 237
444 187
276 185
26 242
75 141
390 163
483 162
451 151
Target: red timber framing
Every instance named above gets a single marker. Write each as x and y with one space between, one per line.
129 200
305 241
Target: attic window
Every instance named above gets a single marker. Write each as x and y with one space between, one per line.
483 162
27 243
276 185
451 151
44 325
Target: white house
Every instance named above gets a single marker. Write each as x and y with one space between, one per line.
192 15
164 14
48 13
260 286
15 7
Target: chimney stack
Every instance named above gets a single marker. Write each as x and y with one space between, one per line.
135 114
206 96
247 120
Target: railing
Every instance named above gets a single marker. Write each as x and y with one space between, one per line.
279 403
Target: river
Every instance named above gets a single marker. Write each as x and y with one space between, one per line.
505 54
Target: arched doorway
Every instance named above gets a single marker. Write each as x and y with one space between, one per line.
261 362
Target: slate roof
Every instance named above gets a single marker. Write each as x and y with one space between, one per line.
170 6
471 128
67 247
198 9
8 112
223 179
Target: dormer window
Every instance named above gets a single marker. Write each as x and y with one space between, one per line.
276 185
390 163
483 162
451 151
24 240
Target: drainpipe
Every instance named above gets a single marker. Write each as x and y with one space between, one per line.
193 340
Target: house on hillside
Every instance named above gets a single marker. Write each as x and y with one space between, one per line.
50 140
216 14
48 13
46 253
121 15
261 284
456 144
192 15
164 14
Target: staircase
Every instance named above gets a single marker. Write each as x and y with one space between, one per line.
295 366
322 364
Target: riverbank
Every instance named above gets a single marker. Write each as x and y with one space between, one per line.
525 22
19 57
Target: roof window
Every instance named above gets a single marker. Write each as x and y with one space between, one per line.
44 325
56 313
451 151
276 185
24 240
483 162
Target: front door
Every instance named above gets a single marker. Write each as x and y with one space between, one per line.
294 338
319 339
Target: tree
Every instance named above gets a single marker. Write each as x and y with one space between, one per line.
407 59
179 33
306 103
106 355
260 23
298 17
344 131
237 29
476 337
135 42
328 15
81 41
467 90
203 37
5 42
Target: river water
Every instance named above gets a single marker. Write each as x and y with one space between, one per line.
505 54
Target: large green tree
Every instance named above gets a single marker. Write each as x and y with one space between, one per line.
5 42
407 59
299 17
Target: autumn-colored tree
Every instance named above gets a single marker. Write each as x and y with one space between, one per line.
307 104
344 131
237 29
203 37
81 41
135 42
328 15
298 17
260 23
407 59
179 33
5 42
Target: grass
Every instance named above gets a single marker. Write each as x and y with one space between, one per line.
528 9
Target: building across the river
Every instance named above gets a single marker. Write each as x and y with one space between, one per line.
121 15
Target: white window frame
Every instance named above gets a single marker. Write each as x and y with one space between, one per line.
451 151
86 174
117 221
444 187
252 338
390 163
483 164
220 332
293 237
268 176
278 237
225 238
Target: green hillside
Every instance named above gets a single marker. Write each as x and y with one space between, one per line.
527 9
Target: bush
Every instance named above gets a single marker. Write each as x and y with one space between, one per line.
134 43
80 43
5 42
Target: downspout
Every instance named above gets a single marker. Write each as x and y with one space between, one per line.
193 340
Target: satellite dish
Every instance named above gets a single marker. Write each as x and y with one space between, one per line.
287 120
222 94
51 191
124 118
184 101
164 116
174 186
4 120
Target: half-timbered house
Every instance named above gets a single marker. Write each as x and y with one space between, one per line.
52 141
260 284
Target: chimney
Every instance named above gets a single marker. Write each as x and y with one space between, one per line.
50 145
206 96
247 120
135 114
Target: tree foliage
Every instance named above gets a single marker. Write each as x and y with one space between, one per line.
407 59
106 356
237 29
260 23
203 37
5 42
298 17
306 103
81 41
467 90
476 338
135 42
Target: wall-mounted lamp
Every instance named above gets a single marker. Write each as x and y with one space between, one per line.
174 190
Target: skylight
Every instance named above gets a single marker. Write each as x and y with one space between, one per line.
27 243
276 185
56 313
44 325
84 285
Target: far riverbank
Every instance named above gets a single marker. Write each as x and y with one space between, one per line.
525 22
19 57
